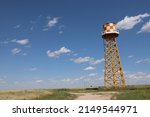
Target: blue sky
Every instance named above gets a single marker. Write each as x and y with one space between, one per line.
57 43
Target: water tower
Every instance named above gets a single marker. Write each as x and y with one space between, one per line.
113 72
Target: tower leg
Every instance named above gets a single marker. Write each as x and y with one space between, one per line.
113 75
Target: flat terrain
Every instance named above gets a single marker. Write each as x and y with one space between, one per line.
133 92
95 95
23 94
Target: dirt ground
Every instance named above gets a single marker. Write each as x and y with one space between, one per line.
95 95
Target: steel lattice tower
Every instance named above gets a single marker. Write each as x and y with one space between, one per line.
113 74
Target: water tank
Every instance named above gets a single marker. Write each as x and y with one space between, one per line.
109 30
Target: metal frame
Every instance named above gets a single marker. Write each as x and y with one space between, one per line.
113 75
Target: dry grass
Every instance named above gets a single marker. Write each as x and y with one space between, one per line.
130 92
23 94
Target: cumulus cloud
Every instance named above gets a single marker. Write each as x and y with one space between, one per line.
57 53
89 68
145 28
87 60
129 22
21 42
146 60
52 22
15 51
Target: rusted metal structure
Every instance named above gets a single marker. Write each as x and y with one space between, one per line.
113 73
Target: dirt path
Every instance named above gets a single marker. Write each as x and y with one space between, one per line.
95 95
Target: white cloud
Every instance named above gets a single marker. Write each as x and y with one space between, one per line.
52 22
92 74
88 60
57 53
146 60
21 42
39 81
24 54
63 50
145 28
89 68
82 59
138 75
15 51
137 78
17 26
139 61
14 40
60 32
97 61
45 29
75 54
129 22
32 69
130 56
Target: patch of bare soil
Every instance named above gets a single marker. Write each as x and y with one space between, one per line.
95 95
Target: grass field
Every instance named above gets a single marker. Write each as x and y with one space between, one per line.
134 95
40 94
58 94
141 92
134 92
23 94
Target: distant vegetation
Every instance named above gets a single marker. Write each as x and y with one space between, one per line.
133 92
